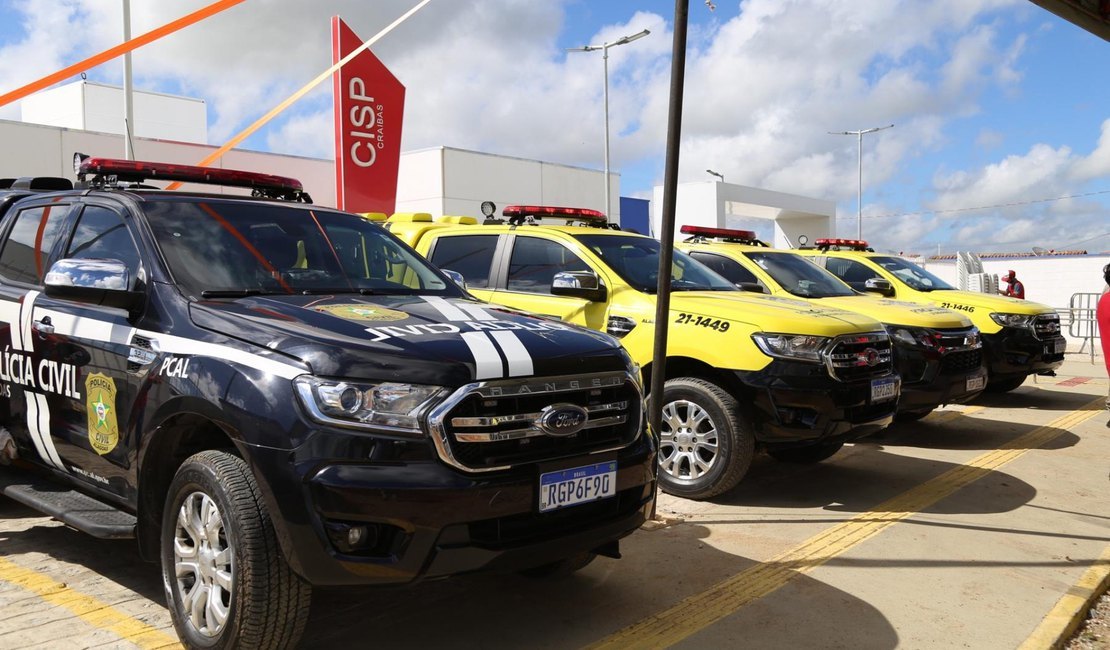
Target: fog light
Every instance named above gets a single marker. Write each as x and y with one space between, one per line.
352 537
355 535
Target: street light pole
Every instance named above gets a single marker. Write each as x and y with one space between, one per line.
717 174
604 47
859 188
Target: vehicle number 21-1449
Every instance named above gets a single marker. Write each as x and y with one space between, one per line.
711 323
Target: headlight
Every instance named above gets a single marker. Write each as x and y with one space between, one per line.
391 406
911 336
1014 320
798 347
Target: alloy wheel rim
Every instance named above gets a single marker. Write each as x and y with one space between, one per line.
688 441
203 564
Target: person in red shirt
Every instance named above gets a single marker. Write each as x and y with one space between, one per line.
1102 315
1016 288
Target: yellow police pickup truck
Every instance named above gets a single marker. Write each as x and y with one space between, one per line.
937 351
744 371
1020 337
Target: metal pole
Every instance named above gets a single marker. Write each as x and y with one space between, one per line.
666 229
605 62
128 111
859 188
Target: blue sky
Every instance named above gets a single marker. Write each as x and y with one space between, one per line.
995 102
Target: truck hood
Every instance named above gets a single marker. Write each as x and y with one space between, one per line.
986 302
412 339
773 314
897 312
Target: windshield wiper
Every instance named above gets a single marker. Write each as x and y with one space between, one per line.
239 293
337 290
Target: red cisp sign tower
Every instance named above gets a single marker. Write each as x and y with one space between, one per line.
369 110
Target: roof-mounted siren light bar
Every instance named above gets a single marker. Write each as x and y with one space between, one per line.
724 234
518 214
109 171
851 244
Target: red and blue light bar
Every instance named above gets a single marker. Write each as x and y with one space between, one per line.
138 171
854 244
554 212
727 234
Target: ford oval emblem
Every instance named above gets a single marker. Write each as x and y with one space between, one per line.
562 419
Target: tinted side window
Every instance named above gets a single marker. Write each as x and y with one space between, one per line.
470 255
536 261
732 270
27 250
851 271
101 234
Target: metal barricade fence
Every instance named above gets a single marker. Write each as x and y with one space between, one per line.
1082 323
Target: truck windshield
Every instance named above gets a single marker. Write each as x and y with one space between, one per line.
217 248
799 276
636 260
912 274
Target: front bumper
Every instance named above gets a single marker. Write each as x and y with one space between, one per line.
1016 352
799 402
429 520
928 382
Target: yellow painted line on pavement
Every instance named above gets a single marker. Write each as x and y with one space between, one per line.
699 611
944 416
1071 610
94 612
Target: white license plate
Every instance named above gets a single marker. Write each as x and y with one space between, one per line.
570 487
977 382
884 390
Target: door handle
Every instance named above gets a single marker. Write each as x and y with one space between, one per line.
43 326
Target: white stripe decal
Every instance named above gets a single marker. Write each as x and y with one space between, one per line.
476 312
446 309
487 362
26 316
45 431
33 426
520 362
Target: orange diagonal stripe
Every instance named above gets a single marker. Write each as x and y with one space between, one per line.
122 48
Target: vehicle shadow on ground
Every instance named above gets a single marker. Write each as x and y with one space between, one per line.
863 478
662 567
116 560
1044 398
963 432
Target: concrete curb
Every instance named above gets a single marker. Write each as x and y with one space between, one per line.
1072 609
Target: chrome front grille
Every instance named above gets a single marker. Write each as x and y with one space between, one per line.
1046 326
495 425
859 356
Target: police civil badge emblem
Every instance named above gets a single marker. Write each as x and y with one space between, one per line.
100 403
362 312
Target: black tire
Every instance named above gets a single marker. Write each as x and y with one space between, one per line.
810 454
265 604
561 568
712 458
912 416
1004 384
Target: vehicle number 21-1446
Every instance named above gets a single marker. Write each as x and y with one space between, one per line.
711 323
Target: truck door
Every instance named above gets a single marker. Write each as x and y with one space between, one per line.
532 263
89 385
26 254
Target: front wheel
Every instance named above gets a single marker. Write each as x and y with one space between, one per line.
810 454
705 446
227 583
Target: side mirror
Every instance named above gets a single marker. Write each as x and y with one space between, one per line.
455 277
754 287
94 281
579 284
879 285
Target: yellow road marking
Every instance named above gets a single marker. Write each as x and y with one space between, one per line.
92 611
944 416
699 611
1070 611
